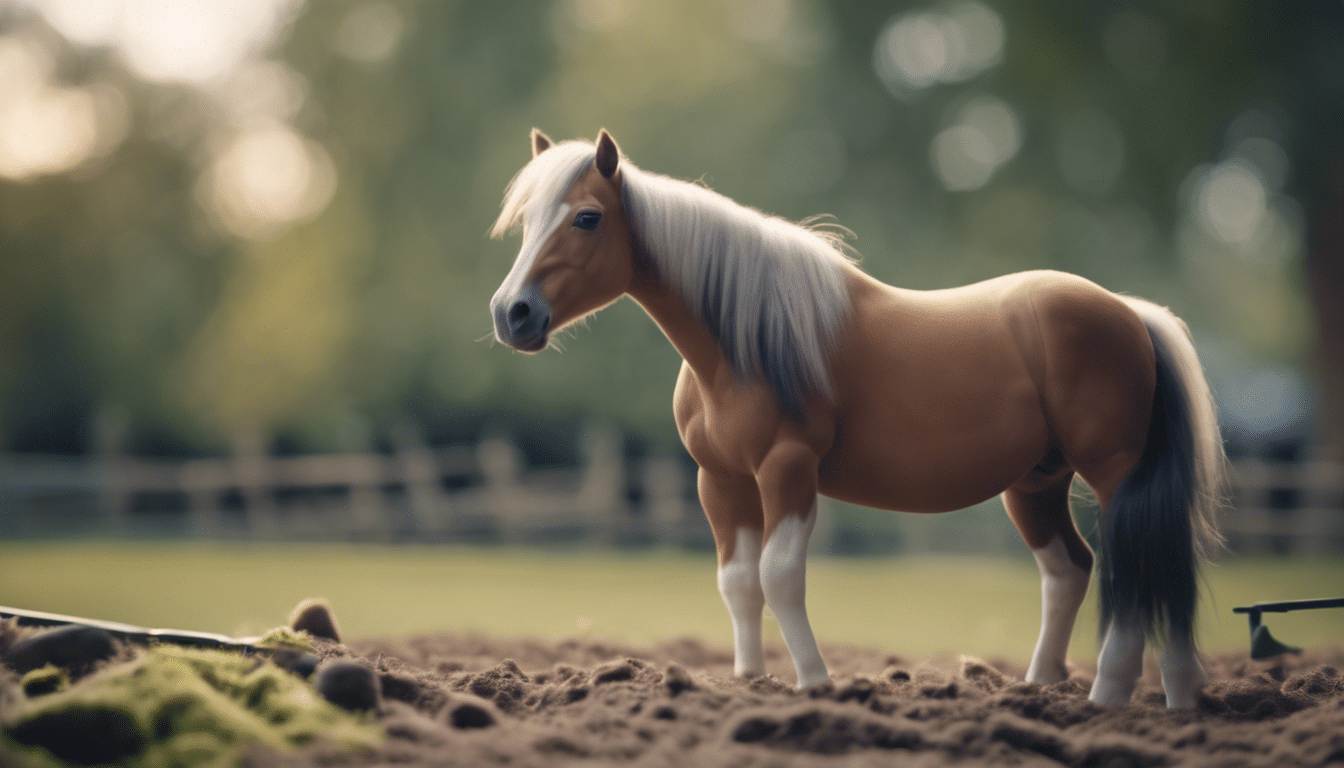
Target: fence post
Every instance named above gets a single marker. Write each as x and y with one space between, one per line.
110 430
422 476
251 473
501 466
663 479
203 480
1322 506
601 498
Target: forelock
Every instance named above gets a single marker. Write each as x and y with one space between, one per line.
541 185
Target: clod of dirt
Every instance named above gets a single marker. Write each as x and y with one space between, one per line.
896 674
44 680
982 675
824 731
315 617
471 714
504 684
1317 682
72 648
677 680
300 663
86 734
351 685
618 671
1260 697
1027 736
860 690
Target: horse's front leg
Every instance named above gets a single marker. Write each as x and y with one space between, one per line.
788 485
733 506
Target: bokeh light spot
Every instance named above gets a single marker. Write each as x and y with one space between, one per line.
46 129
986 135
268 178
951 44
1231 202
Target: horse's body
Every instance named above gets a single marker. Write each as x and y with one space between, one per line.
803 375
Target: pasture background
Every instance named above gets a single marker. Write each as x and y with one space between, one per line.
912 606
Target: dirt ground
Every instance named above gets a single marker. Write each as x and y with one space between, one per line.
464 700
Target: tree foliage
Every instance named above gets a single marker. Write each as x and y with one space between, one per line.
126 287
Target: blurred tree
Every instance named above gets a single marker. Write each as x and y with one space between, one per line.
1309 43
297 244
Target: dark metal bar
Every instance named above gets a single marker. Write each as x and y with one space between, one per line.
1291 605
130 632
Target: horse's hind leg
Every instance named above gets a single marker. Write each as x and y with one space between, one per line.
1182 674
1118 665
1042 516
733 507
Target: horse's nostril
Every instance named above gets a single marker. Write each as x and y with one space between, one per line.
518 313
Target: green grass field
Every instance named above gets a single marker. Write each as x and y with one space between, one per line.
912 605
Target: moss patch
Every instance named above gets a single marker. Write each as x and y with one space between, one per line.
180 706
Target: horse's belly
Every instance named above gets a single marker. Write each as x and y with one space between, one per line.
924 486
914 465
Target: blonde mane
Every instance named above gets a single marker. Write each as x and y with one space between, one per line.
771 292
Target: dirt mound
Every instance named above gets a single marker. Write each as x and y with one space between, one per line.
467 700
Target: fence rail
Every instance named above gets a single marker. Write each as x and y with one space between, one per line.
485 493
1286 508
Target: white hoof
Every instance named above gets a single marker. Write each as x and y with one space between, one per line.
1047 674
808 682
1110 693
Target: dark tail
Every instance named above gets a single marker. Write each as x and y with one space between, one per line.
1161 522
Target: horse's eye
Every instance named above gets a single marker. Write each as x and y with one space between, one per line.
587 220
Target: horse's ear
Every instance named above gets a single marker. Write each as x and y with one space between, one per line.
608 154
540 142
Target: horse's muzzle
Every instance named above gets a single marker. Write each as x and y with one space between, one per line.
522 321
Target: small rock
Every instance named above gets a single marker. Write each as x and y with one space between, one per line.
300 663
348 684
470 715
612 672
72 648
314 616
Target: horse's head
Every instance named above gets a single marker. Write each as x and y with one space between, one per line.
576 256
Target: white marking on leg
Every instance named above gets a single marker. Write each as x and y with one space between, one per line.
740 585
1182 674
1118 666
1063 586
784 581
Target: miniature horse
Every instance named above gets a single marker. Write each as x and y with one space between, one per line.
803 375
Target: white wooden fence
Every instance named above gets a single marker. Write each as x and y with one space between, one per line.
463 493
485 493
1286 508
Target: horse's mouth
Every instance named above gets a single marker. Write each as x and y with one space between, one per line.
533 345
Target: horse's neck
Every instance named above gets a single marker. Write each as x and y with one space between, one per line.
691 338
